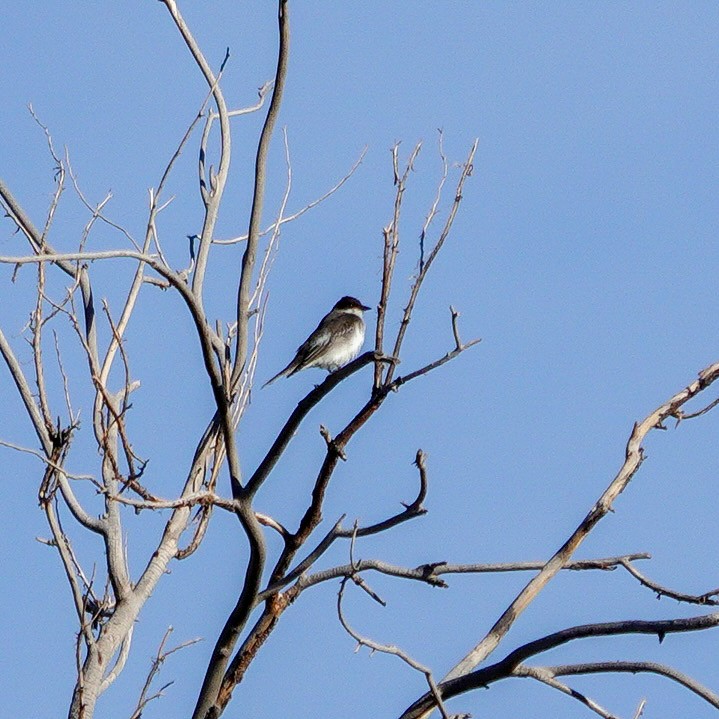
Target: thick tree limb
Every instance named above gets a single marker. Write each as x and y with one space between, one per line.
503 669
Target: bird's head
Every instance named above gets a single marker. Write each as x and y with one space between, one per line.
350 303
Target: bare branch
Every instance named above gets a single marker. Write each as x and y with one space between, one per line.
150 235
309 206
416 286
258 300
40 246
640 709
300 412
248 258
397 383
546 676
59 176
389 649
636 667
633 459
391 248
191 499
157 662
47 461
708 598
62 544
26 395
501 670
120 661
411 510
414 509
60 257
322 546
438 197
431 573
73 418
96 210
680 416
603 564
212 199
348 570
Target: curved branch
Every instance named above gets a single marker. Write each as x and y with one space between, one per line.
660 627
389 649
480 678
211 700
212 201
94 524
411 510
636 667
705 599
248 258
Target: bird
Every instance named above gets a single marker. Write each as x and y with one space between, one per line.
336 341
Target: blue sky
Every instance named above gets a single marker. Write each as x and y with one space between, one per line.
584 255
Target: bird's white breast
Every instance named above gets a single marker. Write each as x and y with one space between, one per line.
343 350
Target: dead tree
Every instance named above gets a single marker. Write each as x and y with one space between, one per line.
108 601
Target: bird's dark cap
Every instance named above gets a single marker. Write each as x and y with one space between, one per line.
350 303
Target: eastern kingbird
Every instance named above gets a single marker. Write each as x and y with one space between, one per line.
336 341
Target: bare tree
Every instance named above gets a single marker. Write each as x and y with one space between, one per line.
109 597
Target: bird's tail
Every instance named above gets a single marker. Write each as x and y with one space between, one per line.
290 369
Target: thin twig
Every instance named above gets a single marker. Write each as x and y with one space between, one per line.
391 247
309 206
389 649
708 598
438 197
157 662
467 169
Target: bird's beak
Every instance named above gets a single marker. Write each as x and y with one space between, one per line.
365 308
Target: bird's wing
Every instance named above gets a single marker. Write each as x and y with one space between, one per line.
307 351
313 346
331 329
